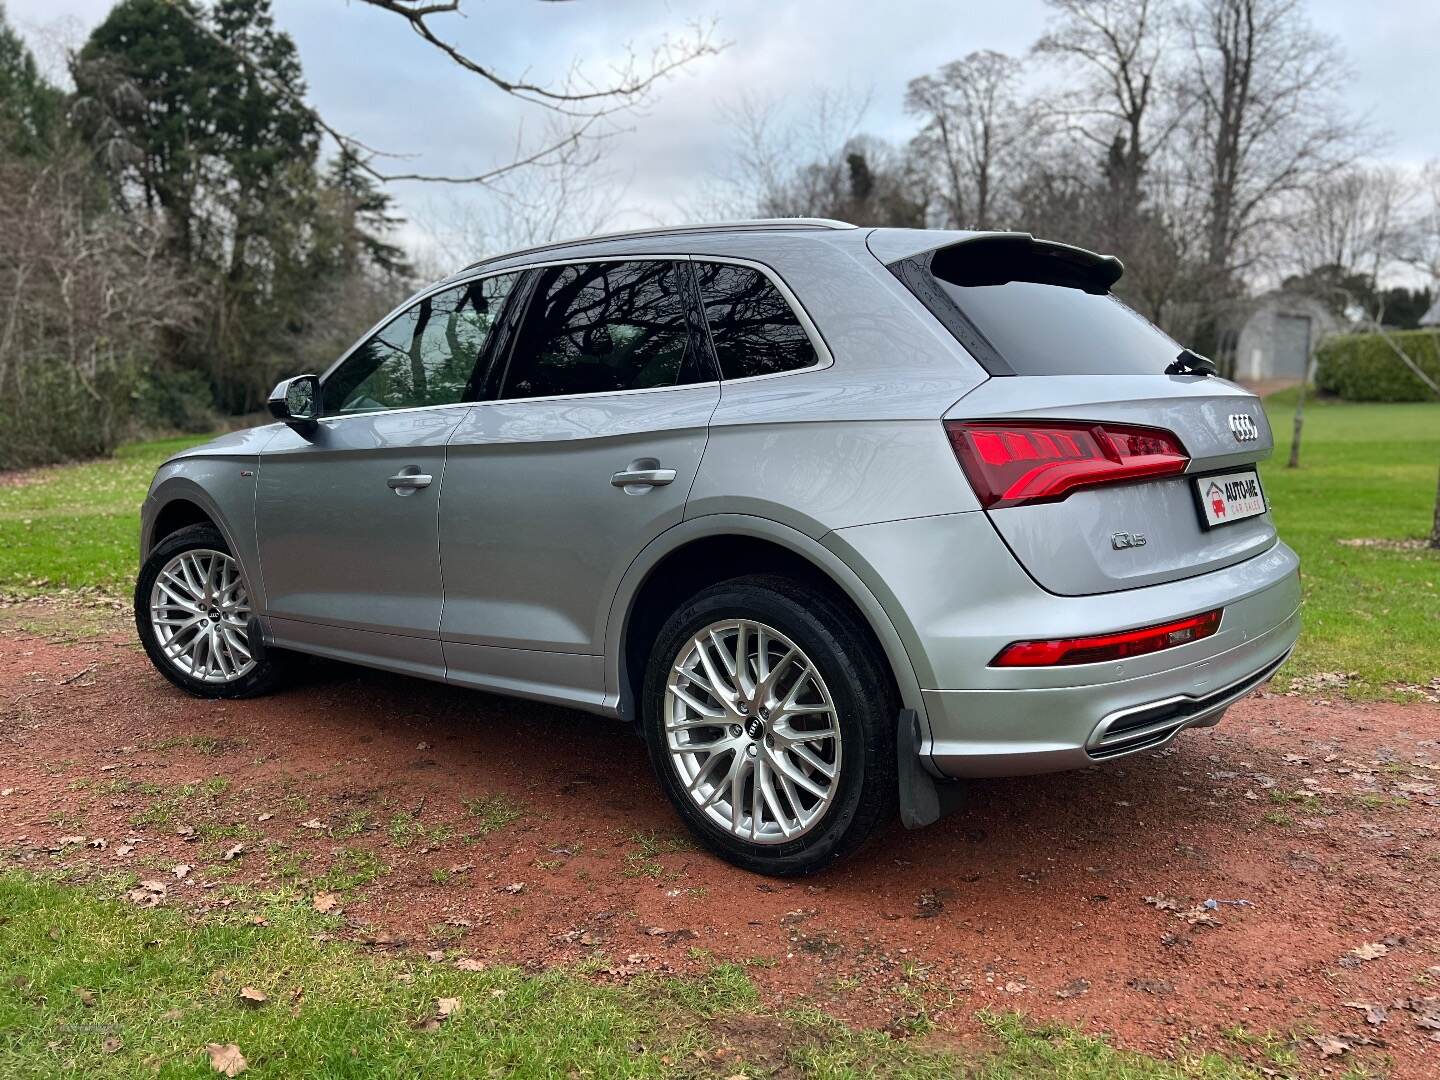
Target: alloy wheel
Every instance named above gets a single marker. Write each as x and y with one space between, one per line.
752 732
199 609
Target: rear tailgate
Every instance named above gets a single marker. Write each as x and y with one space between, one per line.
1129 535
1062 350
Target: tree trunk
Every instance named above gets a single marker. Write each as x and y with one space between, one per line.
1294 462
1435 527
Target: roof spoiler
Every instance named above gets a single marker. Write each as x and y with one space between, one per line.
997 258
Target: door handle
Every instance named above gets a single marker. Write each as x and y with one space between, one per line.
407 481
642 477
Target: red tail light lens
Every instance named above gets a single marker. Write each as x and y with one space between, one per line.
1103 647
1014 462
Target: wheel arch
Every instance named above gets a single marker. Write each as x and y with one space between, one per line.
178 501
712 548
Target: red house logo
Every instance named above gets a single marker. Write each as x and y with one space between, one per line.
1217 499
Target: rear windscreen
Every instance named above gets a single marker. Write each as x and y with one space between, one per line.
1028 327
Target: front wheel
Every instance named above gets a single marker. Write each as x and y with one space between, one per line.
769 717
192 609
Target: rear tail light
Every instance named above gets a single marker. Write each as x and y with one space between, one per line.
1012 462
1102 647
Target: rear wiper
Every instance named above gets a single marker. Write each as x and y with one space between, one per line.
1191 363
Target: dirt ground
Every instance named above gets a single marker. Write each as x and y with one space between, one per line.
1077 897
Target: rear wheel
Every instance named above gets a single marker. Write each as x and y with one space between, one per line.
192 610
770 720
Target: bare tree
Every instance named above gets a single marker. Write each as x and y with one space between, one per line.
1122 105
1352 222
581 104
576 194
1420 246
971 120
84 294
1263 117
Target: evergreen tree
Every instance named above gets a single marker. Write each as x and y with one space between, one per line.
31 109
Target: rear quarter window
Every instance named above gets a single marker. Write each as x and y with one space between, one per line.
753 327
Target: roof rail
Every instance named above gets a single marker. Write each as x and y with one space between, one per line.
671 230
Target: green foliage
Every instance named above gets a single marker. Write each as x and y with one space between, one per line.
174 401
1362 367
30 108
197 112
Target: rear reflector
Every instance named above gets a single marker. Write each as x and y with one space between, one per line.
1010 462
1103 647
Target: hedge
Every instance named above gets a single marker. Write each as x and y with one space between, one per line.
1362 367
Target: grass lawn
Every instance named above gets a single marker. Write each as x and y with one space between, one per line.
1368 472
95 987
78 526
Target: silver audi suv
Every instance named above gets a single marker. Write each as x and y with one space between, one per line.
835 517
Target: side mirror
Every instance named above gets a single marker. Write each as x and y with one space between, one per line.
297 402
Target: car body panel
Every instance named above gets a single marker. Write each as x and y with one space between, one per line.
337 546
1066 546
534 534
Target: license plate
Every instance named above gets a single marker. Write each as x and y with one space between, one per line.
1230 497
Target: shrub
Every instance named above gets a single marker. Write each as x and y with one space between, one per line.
171 401
1363 367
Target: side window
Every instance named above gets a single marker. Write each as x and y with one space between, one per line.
426 355
594 328
753 327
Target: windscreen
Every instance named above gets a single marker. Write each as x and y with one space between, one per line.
1022 309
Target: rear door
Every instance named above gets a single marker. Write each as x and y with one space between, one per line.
1062 349
586 453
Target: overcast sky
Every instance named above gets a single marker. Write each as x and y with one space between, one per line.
370 76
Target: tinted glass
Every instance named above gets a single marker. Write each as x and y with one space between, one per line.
754 330
424 356
596 328
1052 330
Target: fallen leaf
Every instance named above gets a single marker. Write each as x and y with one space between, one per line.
1330 1046
1164 903
515 888
171 1014
435 955
264 817
124 849
313 823
465 963
66 841
111 1045
446 1007
181 870
234 852
1013 987
98 844
1369 951
1073 989
1374 1014
324 902
227 1059
87 997
252 997
148 894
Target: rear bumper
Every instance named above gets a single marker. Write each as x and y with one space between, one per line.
957 596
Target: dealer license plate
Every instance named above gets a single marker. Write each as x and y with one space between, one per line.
1230 497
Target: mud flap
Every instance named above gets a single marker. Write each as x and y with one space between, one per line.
255 636
923 799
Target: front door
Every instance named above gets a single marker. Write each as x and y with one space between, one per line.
347 516
587 453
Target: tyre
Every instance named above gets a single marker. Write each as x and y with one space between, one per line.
192 609
770 716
